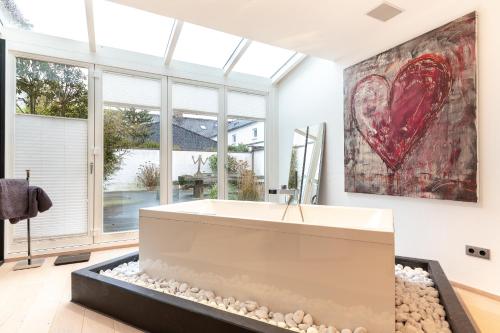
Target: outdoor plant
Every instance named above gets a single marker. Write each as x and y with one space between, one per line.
232 164
212 192
292 177
148 176
239 148
249 189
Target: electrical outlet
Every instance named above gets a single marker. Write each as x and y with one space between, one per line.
478 252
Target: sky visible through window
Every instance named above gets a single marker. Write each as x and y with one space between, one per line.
46 17
262 59
131 29
127 28
205 46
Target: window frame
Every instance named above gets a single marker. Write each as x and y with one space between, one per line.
168 76
267 135
15 247
129 235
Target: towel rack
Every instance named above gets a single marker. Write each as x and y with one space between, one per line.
28 262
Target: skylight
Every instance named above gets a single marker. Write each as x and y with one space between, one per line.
262 59
61 18
131 29
122 27
205 46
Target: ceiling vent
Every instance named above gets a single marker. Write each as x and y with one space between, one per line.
384 12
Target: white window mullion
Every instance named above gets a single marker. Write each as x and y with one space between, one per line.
165 143
222 146
97 153
169 141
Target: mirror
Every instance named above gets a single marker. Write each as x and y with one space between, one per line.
305 163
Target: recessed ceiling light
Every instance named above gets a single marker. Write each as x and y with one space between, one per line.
384 12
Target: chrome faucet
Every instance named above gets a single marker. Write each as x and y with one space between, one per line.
291 193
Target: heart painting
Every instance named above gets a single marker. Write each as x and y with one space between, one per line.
392 118
410 117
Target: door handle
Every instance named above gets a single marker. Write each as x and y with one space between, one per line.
91 168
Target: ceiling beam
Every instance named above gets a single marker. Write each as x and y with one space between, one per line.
287 67
89 9
236 55
172 41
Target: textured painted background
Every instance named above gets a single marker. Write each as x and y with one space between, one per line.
410 117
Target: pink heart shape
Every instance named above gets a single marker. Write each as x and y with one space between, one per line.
393 119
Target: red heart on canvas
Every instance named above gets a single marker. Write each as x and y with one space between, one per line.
393 118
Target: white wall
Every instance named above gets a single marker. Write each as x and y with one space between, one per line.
125 179
425 228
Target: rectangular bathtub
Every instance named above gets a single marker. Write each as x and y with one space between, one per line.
337 265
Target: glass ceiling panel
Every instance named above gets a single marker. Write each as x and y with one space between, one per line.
262 59
61 18
131 29
205 46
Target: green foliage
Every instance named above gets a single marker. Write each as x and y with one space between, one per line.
148 176
51 89
292 176
115 145
239 148
124 129
232 164
212 192
149 145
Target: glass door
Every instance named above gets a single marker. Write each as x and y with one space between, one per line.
128 140
53 136
195 110
246 154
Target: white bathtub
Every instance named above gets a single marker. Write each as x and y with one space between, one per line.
338 265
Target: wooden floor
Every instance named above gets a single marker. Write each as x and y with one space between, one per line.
38 300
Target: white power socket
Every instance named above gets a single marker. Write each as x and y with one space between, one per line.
478 252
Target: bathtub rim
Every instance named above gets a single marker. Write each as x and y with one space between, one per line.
384 235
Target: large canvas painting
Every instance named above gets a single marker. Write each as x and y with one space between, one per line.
410 117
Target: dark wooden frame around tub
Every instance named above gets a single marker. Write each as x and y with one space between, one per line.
154 311
455 314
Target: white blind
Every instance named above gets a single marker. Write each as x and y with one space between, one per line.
194 98
246 105
127 89
55 150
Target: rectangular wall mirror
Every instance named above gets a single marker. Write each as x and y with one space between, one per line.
305 163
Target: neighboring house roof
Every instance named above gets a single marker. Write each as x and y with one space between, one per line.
205 127
194 134
184 139
238 123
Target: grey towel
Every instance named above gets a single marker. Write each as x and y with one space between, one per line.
19 202
13 198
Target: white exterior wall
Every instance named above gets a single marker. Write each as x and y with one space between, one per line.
245 134
125 179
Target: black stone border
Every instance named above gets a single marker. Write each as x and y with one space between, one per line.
455 314
154 311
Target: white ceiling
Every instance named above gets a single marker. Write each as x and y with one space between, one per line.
332 29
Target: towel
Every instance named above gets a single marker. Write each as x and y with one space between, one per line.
19 202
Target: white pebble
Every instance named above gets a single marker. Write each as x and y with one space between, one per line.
298 316
416 301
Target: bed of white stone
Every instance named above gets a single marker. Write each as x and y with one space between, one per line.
417 302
